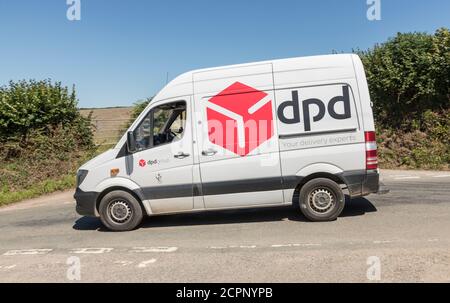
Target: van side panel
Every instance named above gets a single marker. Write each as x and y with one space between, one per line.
320 121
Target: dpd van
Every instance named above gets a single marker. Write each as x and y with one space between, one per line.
293 131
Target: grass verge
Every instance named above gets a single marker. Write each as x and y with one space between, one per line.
52 184
38 189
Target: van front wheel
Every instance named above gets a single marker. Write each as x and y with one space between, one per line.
120 211
321 199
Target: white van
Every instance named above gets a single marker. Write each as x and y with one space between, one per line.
293 131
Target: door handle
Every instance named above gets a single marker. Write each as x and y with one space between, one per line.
209 152
181 155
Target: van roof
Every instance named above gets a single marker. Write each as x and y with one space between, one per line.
182 84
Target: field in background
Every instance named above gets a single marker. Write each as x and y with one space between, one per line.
108 123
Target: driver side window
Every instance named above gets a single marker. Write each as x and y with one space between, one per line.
163 124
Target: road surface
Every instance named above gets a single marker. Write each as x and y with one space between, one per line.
403 236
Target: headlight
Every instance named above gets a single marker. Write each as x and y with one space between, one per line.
81 175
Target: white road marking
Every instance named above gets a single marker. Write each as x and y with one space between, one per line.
273 246
441 176
404 178
153 249
281 245
27 252
144 264
295 245
433 240
91 250
233 246
7 266
123 263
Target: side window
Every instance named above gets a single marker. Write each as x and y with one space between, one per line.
163 124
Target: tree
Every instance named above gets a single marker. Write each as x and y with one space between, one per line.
138 107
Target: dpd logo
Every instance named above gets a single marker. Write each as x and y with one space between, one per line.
240 118
306 105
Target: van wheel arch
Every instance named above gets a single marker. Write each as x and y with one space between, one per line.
296 195
110 189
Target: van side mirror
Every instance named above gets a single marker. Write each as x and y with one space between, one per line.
131 142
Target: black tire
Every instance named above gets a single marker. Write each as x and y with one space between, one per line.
120 211
321 200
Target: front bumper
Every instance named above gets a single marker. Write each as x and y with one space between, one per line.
86 203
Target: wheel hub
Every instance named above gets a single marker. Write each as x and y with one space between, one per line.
120 211
321 200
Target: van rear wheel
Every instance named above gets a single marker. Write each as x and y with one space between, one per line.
120 211
321 199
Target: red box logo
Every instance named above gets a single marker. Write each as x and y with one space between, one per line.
240 118
142 163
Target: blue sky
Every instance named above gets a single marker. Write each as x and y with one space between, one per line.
121 50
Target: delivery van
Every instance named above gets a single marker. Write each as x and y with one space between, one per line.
293 131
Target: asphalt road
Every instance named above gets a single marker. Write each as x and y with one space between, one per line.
407 231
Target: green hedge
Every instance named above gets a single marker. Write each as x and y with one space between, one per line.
409 75
409 82
43 139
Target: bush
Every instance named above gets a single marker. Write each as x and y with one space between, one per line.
45 156
29 105
414 149
408 75
43 138
409 82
